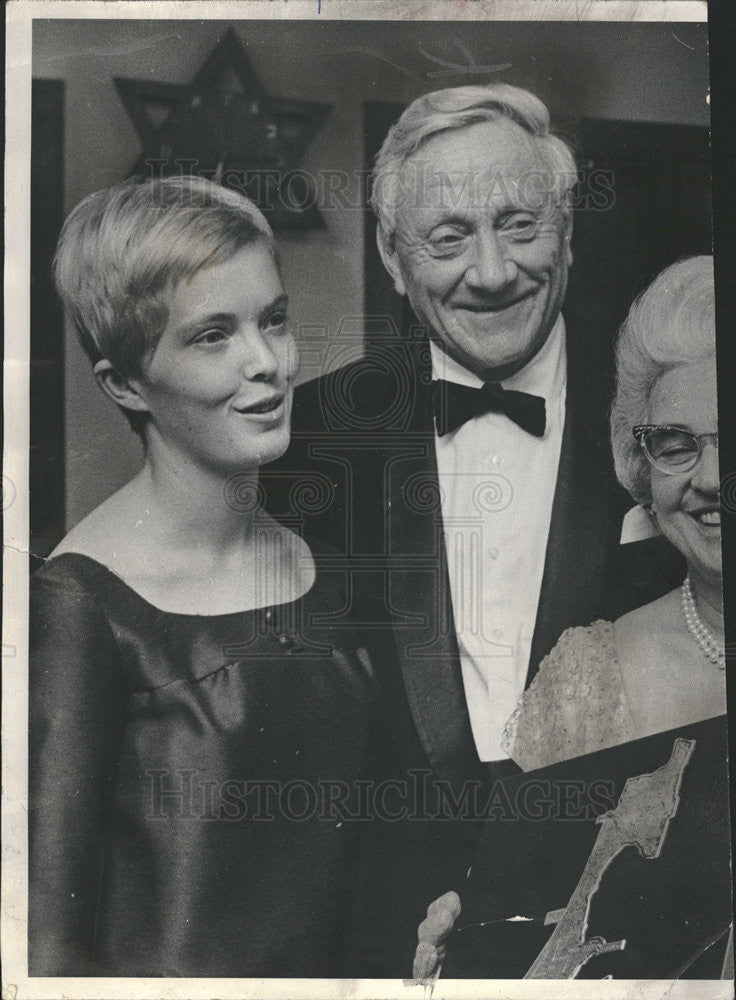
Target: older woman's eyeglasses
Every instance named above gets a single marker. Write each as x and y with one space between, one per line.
671 449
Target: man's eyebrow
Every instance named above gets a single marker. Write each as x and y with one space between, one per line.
451 218
441 215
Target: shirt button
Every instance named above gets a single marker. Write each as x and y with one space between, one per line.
496 460
498 632
493 553
285 641
268 616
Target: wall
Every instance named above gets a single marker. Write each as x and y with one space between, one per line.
638 72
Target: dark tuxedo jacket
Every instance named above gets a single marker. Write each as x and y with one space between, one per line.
361 474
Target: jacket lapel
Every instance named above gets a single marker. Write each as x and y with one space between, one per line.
420 603
586 512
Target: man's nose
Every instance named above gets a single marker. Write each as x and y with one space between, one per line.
259 361
490 269
706 477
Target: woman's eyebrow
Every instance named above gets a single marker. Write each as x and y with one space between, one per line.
280 302
194 325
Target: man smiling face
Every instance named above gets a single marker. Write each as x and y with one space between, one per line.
481 245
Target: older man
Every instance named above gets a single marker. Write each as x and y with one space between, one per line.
474 227
465 465
472 481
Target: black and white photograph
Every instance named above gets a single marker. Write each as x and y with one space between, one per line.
363 625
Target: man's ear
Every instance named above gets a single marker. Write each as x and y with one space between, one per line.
387 250
118 387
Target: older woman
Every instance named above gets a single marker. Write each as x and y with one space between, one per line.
661 666
191 719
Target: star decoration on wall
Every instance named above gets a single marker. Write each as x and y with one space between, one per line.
224 126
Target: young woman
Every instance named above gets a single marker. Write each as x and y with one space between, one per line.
193 717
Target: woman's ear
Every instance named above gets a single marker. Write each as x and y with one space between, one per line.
387 250
567 230
118 387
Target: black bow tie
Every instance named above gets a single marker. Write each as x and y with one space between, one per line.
454 404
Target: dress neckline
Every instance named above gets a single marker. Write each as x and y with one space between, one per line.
101 568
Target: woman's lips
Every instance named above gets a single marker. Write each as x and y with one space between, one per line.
709 518
266 410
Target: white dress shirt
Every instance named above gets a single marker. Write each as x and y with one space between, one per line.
497 484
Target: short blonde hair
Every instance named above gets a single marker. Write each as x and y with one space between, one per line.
122 250
455 108
671 323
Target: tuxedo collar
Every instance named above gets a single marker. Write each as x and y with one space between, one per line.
586 513
420 602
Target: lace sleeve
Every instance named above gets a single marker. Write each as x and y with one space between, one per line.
574 706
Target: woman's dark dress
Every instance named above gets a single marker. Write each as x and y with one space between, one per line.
190 779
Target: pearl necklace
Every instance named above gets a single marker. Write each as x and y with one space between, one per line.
714 650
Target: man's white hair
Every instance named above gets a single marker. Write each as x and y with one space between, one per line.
456 108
